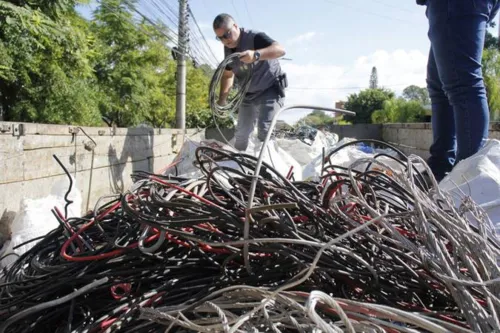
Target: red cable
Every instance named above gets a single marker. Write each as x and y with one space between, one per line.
208 202
290 172
71 230
98 256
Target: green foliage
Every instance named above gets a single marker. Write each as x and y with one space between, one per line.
490 41
317 118
365 103
50 79
56 67
491 74
416 93
399 110
134 69
343 122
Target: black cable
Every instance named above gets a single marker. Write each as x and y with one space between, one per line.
234 102
68 201
235 99
183 269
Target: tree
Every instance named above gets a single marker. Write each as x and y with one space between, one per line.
416 93
135 70
317 118
490 41
374 79
57 67
491 74
399 110
365 103
45 75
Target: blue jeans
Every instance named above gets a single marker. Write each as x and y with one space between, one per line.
460 114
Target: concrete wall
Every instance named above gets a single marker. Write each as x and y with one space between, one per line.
215 134
358 131
417 138
28 169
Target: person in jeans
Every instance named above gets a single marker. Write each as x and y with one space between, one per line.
460 115
265 95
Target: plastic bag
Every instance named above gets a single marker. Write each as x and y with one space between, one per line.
35 218
274 155
478 177
345 157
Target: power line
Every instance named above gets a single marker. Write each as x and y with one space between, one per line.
392 6
154 10
153 23
201 54
169 37
202 36
248 12
235 10
172 18
203 50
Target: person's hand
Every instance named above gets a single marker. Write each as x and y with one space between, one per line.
247 57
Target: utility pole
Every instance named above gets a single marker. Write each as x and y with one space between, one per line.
180 101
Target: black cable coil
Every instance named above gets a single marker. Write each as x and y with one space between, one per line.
165 245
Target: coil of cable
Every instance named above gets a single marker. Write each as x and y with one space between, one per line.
224 111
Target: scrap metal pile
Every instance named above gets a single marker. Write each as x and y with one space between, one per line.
304 133
370 248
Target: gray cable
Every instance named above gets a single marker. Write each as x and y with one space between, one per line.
51 304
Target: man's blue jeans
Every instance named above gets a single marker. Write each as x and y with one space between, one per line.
460 114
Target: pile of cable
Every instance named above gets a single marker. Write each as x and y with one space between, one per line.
246 308
237 96
370 248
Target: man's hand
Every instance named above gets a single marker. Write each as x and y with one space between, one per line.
248 56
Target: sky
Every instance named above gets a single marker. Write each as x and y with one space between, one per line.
331 45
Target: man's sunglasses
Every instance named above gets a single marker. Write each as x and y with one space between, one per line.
226 35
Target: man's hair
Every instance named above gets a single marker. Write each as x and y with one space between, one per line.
222 20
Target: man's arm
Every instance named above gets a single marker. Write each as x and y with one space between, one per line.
225 86
273 51
267 47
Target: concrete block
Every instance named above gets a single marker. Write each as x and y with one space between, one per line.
390 134
10 144
215 134
423 139
494 135
11 159
40 163
404 137
32 142
12 166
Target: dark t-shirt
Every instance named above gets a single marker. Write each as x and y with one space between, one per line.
260 41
